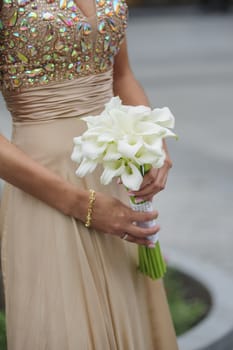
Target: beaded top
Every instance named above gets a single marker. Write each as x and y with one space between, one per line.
43 41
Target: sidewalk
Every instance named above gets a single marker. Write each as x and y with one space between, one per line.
186 62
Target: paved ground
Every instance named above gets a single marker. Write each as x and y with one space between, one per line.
185 61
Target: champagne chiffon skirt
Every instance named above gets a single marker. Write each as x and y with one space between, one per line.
67 287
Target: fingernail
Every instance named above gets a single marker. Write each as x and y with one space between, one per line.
118 180
151 245
139 200
131 193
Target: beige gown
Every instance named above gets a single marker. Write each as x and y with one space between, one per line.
67 287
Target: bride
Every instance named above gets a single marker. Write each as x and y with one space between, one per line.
70 280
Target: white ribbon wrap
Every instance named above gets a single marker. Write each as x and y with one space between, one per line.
146 207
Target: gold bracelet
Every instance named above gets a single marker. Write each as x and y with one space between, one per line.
90 207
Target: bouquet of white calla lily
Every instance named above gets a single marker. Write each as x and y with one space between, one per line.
127 141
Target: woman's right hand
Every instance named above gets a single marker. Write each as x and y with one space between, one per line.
113 217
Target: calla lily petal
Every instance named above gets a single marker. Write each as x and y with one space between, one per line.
153 145
121 121
112 153
76 155
106 137
114 103
159 161
167 133
163 117
129 150
148 128
145 157
86 166
93 150
132 177
111 170
139 112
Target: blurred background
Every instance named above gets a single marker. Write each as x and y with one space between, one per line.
219 5
182 53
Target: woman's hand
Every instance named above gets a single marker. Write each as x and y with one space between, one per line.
111 216
153 182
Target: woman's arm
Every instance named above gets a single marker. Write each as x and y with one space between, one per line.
23 172
131 92
125 84
109 214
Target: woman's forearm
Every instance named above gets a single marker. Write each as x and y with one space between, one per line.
23 172
129 90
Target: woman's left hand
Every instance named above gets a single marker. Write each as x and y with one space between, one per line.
153 182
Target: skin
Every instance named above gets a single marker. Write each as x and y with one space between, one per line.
109 214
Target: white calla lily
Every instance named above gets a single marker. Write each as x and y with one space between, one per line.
167 133
129 147
145 157
111 153
77 140
76 155
86 166
111 170
159 161
153 145
132 177
106 137
148 128
120 121
138 112
163 117
114 103
92 149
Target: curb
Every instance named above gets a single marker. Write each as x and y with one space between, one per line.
215 332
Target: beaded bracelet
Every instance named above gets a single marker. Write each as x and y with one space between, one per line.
90 207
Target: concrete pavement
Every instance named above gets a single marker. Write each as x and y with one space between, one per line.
185 61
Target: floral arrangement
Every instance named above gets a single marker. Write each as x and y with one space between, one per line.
127 141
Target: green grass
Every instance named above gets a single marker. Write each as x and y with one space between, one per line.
2 332
188 302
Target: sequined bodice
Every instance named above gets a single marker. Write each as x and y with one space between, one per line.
43 41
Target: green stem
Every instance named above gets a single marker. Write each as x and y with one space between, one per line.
151 262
